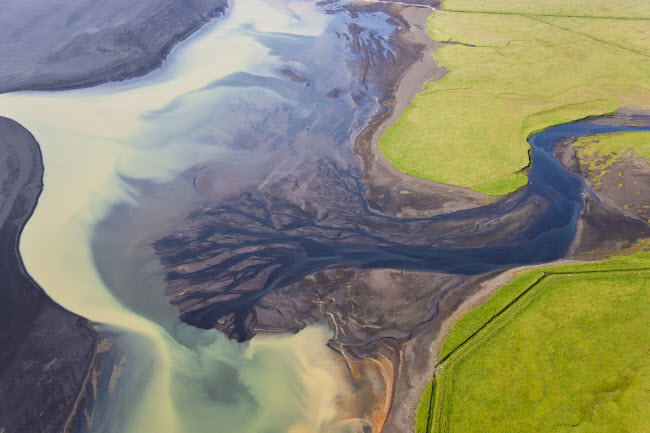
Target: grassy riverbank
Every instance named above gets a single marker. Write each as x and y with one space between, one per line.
599 152
560 348
513 70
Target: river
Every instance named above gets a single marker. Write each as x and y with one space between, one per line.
266 92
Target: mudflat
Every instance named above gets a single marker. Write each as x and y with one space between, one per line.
356 247
80 43
470 127
46 350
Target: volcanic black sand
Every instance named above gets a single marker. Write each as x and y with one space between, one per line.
618 210
389 190
50 359
329 247
46 351
273 259
81 43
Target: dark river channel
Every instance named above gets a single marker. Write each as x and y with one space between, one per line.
265 244
228 173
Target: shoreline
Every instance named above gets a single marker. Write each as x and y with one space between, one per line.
391 191
418 197
493 285
381 177
389 364
140 45
51 326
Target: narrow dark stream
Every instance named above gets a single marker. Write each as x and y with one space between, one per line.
259 242
258 151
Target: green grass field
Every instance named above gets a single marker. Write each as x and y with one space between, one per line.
515 68
561 348
424 410
601 151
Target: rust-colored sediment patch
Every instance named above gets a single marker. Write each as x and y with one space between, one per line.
369 390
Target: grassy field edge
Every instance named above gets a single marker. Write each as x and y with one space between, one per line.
455 127
482 321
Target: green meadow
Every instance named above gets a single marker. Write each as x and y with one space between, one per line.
561 348
515 68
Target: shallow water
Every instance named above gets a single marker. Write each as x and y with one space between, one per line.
122 163
220 97
228 256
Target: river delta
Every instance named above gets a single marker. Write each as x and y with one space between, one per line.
229 247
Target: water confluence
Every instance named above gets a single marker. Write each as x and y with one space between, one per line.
266 93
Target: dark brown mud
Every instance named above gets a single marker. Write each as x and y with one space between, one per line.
51 363
230 253
604 230
46 350
389 190
624 116
617 212
277 258
228 256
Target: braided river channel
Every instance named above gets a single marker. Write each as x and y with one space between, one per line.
250 125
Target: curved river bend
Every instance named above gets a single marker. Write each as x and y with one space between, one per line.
248 246
267 92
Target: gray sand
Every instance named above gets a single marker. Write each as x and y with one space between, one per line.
46 351
59 44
